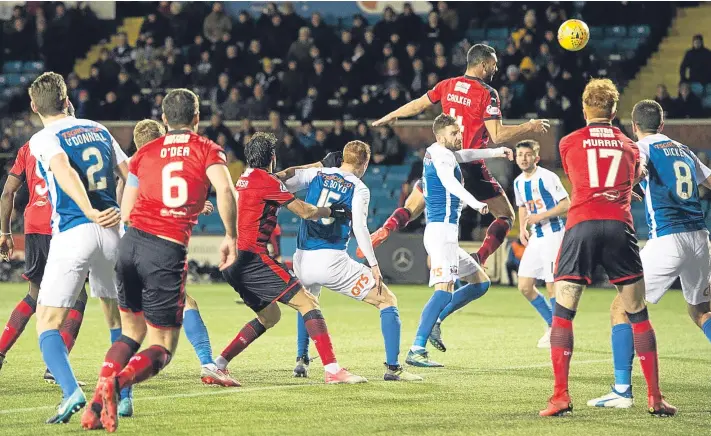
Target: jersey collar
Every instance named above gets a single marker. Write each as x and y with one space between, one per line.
652 139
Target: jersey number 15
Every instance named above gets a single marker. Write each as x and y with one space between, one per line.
326 199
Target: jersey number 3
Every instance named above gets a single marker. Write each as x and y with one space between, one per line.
594 155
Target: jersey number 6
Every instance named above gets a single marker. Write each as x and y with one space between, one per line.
170 181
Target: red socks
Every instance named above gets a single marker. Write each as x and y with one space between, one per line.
72 324
561 353
17 322
144 365
495 235
397 220
116 359
645 344
316 328
249 333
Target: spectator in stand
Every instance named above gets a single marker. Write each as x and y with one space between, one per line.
123 53
291 21
292 85
145 54
216 23
137 109
319 147
386 148
321 33
276 125
273 39
184 80
234 165
393 100
179 22
194 50
362 132
515 84
506 103
387 25
245 29
687 105
299 49
232 108
126 88
257 105
252 60
245 129
696 65
448 16
349 82
84 106
110 109
108 68
436 31
73 87
344 49
220 93
544 56
320 80
204 71
459 54
307 135
390 73
156 26
664 99
338 137
216 128
553 105
359 27
169 48
409 24
157 106
291 152
363 108
441 67
313 106
418 83
268 79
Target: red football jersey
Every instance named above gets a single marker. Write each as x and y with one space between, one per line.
260 195
38 213
602 164
172 183
471 102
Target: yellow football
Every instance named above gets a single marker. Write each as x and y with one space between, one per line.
573 35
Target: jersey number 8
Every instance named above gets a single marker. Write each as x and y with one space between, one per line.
326 199
170 181
683 180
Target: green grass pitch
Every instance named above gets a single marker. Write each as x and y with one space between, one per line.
495 379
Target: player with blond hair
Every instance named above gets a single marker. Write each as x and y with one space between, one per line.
603 165
321 258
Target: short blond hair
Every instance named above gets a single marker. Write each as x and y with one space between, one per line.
147 131
600 98
48 92
535 146
356 153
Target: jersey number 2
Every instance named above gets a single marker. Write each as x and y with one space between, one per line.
94 183
170 181
594 155
326 199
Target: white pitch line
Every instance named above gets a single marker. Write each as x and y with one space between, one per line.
228 391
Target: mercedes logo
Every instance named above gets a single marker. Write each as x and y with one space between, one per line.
402 260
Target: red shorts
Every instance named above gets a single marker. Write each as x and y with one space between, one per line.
479 181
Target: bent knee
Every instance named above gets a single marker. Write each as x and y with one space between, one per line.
270 317
190 303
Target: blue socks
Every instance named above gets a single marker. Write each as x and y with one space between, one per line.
390 326
196 332
302 337
54 353
552 302
706 327
543 308
463 296
622 353
115 334
438 301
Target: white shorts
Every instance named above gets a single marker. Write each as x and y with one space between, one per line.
448 262
538 261
81 250
683 255
335 270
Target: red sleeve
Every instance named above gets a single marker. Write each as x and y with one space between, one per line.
435 94
133 164
214 154
18 168
492 106
275 190
563 149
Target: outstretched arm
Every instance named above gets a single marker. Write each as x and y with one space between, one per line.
485 153
502 134
291 171
410 109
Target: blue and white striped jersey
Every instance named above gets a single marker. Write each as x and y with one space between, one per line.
538 193
92 152
441 205
327 186
671 186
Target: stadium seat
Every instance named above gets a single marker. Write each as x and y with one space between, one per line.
616 31
35 67
706 102
498 33
628 44
288 245
475 35
498 44
639 31
697 89
12 80
708 89
399 171
12 67
597 33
